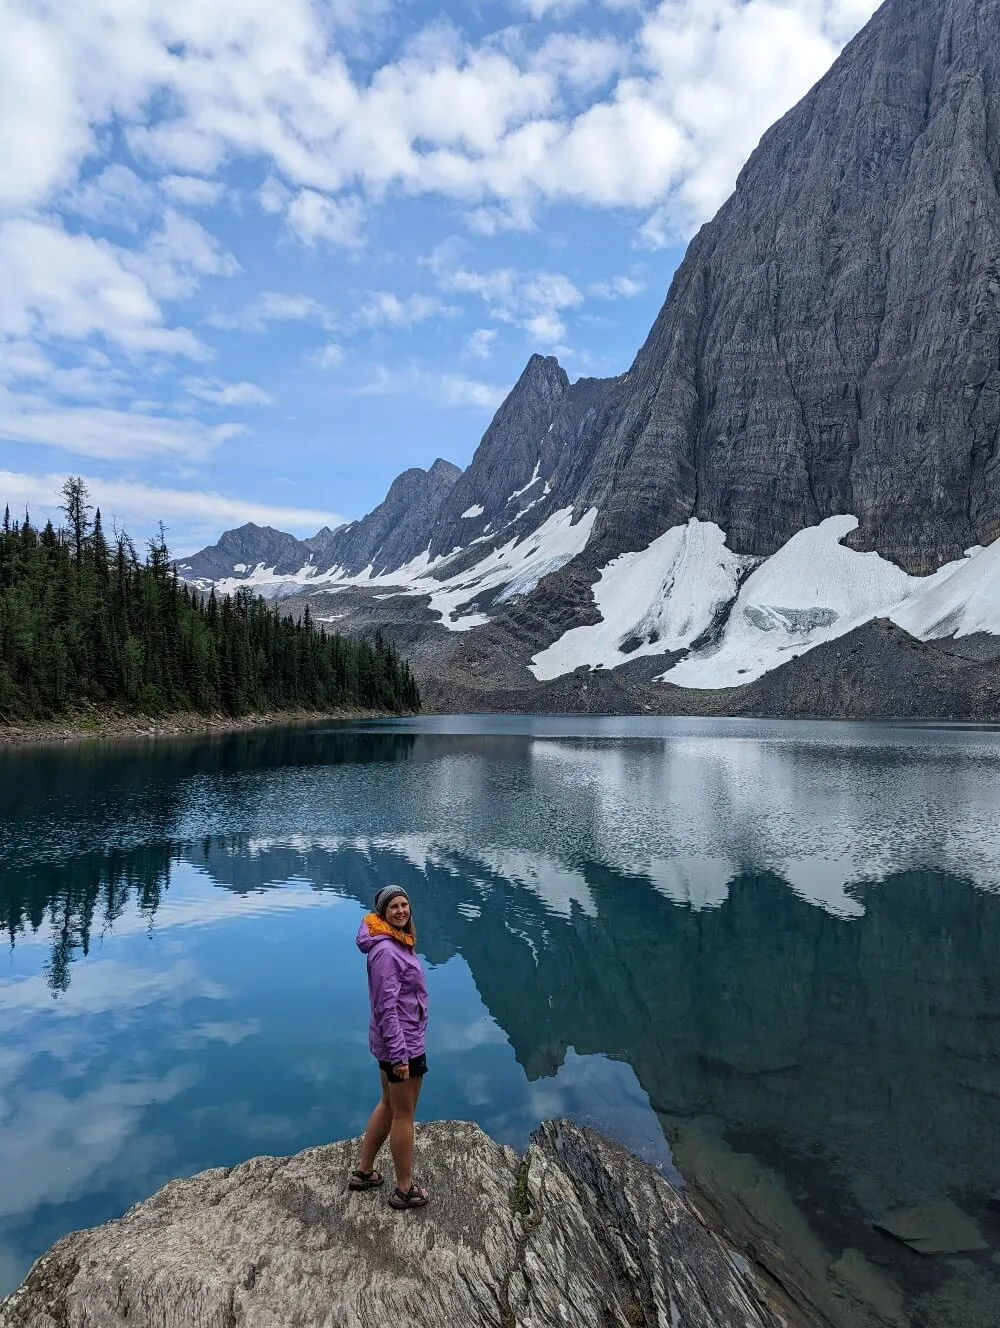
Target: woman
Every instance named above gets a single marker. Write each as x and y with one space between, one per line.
397 1037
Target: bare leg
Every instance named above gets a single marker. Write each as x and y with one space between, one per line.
377 1129
403 1101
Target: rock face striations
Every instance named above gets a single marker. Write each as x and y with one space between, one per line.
827 359
831 343
578 1233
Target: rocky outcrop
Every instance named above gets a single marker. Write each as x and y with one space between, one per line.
579 1233
399 529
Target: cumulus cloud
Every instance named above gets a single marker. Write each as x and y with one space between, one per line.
114 196
314 217
534 301
452 390
618 288
191 191
61 285
330 356
175 258
690 93
383 308
480 344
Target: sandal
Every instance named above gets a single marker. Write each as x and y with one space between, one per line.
365 1180
411 1198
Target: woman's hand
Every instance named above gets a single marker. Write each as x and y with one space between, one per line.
401 1071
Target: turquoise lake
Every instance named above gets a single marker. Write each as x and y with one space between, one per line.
763 955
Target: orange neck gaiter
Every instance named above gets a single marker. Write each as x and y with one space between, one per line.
379 927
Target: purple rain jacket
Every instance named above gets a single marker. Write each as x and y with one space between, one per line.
397 1030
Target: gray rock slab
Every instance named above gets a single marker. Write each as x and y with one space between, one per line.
937 1227
579 1233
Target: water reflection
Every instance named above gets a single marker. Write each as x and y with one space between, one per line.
786 948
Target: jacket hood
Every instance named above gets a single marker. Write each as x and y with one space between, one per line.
374 929
365 940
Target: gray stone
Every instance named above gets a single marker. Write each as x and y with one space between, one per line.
579 1233
936 1227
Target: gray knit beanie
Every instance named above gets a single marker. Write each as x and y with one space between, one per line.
385 897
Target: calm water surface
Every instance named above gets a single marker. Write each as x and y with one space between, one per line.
765 955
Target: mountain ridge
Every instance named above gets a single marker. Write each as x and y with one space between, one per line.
828 352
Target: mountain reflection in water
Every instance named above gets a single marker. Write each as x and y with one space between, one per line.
789 935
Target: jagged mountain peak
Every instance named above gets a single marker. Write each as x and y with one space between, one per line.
442 470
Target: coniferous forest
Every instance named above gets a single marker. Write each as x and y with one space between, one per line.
85 622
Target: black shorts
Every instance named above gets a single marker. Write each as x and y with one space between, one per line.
418 1068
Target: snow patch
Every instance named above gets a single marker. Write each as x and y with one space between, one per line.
470 512
960 599
503 574
811 591
240 568
662 598
513 570
530 484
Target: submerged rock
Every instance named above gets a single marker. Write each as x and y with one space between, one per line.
578 1232
937 1227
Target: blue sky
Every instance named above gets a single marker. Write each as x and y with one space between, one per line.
256 259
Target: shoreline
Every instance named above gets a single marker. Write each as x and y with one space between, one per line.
114 727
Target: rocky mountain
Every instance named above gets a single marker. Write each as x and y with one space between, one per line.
808 441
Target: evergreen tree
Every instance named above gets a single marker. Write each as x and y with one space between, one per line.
86 623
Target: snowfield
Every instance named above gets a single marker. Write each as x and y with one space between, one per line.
960 599
509 571
812 590
738 617
663 598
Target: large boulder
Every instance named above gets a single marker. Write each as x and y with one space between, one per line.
578 1232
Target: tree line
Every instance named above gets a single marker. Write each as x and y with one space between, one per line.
85 622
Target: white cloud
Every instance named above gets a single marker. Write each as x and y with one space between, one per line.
314 217
546 329
202 85
138 506
511 215
618 288
228 394
383 308
330 356
116 196
534 301
192 191
175 257
273 307
57 284
106 434
273 196
580 61
457 390
480 344
454 390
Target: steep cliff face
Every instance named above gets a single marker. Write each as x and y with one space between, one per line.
400 528
831 343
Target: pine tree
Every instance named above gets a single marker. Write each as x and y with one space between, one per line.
83 622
